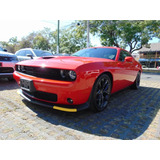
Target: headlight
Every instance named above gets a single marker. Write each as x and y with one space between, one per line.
72 75
68 75
19 68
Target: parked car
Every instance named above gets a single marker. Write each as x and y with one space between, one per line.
84 80
29 53
7 64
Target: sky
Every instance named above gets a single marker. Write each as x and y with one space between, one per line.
21 28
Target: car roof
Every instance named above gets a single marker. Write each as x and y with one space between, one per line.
26 49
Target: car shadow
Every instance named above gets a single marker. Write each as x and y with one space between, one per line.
7 85
129 114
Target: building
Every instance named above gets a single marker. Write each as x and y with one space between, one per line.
150 55
136 56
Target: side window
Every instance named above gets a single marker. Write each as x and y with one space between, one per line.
123 55
21 53
28 52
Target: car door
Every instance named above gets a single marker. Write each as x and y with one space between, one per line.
126 69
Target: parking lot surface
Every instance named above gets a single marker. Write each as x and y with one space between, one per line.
131 114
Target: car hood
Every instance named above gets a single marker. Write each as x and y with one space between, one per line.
6 54
62 62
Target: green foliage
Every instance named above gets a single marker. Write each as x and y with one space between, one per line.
71 41
41 42
123 33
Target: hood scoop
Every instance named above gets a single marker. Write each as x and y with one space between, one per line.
48 57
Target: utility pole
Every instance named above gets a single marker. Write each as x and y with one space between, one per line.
88 40
58 37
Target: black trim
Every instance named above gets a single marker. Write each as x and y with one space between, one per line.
41 95
47 73
6 70
50 105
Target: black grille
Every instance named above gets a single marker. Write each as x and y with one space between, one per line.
42 95
48 73
5 58
6 70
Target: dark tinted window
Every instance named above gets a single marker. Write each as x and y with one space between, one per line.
108 53
123 55
40 53
21 53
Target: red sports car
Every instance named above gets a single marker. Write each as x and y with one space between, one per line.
86 79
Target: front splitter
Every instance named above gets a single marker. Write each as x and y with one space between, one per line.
66 108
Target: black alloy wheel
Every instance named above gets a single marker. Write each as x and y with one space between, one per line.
101 93
136 84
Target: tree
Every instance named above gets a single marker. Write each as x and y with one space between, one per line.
123 33
41 42
71 41
11 45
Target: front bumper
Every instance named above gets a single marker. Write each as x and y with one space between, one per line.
77 91
6 75
7 69
66 108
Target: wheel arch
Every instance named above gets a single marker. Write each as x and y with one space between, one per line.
97 78
109 74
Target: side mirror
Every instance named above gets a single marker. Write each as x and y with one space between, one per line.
29 55
5 50
128 59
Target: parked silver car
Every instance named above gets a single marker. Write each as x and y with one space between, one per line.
7 64
29 53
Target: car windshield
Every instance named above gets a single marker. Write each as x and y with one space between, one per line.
108 53
40 53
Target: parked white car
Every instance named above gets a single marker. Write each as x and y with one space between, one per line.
29 53
7 64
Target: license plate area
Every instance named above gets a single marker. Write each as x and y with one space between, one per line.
27 85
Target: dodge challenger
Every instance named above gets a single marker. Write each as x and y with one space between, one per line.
86 79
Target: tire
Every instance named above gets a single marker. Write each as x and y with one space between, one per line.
100 94
136 82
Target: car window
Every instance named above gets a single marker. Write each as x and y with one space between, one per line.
28 52
107 53
40 53
21 53
123 55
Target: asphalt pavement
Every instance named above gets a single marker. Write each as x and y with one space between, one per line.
151 76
